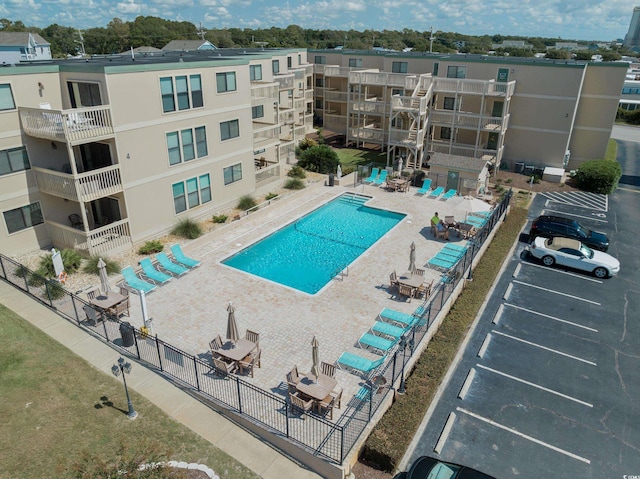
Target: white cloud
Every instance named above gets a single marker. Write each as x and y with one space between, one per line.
129 7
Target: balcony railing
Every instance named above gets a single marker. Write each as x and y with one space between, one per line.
262 93
367 133
466 120
461 150
111 238
84 187
285 82
265 136
413 103
308 95
406 137
374 107
382 78
473 87
71 126
336 96
267 175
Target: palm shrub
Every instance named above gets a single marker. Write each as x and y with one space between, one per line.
246 202
270 196
296 172
91 266
219 218
71 261
294 184
153 246
187 228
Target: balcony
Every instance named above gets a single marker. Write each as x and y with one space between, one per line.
406 137
80 125
341 96
265 136
461 150
369 107
109 239
409 103
285 82
83 187
470 121
473 87
267 174
336 71
367 133
383 79
263 93
308 95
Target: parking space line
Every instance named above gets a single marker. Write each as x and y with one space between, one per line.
550 317
543 347
445 433
557 292
564 213
542 388
575 275
524 436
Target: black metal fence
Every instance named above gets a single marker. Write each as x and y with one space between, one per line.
328 440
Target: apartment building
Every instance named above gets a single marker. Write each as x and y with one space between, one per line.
501 111
102 154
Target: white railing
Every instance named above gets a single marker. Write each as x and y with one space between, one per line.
111 238
299 104
72 126
473 87
285 116
465 120
458 150
300 132
406 137
371 134
336 71
285 82
262 93
369 107
81 187
409 103
335 95
267 175
308 95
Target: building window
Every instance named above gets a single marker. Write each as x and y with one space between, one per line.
191 193
275 66
181 93
232 174
320 82
255 72
320 60
226 81
435 69
397 91
186 144
319 104
449 103
445 133
399 67
355 62
289 62
229 129
6 98
456 72
14 159
257 111
23 218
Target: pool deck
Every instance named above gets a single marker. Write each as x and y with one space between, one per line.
189 311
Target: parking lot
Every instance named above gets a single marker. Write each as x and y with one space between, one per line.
548 384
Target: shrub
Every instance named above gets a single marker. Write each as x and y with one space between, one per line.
187 228
297 172
348 170
509 181
150 247
71 260
320 159
246 202
270 196
53 290
219 218
112 267
598 176
306 143
294 184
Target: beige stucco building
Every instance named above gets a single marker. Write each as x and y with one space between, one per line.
514 112
104 153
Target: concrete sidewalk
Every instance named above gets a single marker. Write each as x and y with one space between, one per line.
239 444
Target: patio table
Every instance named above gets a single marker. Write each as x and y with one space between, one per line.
398 183
107 301
318 388
410 279
238 352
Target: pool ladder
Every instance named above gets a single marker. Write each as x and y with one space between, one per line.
341 273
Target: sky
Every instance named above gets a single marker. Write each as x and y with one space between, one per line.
602 20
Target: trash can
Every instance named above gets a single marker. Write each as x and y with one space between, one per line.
126 332
332 179
419 178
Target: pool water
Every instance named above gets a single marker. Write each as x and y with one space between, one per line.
309 252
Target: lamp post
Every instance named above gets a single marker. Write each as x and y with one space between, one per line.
403 348
124 368
473 253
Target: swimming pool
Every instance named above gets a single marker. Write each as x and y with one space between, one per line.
309 252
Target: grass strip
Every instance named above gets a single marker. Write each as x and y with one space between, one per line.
390 438
58 411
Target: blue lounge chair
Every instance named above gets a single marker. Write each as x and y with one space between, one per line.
437 192
152 273
455 247
481 214
381 179
136 283
393 316
181 258
440 263
354 362
378 344
449 194
387 329
373 176
426 187
475 221
170 266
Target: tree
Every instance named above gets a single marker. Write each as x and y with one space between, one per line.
62 40
598 176
321 159
557 54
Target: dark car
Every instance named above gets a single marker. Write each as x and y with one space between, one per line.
552 226
427 467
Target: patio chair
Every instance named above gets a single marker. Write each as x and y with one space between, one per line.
328 403
328 369
425 289
92 293
293 378
449 194
403 319
377 344
124 291
405 290
181 258
136 283
393 281
355 363
382 178
387 329
152 273
169 266
419 272
450 221
437 192
252 336
121 309
215 344
224 368
250 362
426 187
93 316
373 176
301 403
337 394
76 221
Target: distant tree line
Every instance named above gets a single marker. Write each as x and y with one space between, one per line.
119 36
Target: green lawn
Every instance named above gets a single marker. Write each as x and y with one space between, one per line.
350 157
57 408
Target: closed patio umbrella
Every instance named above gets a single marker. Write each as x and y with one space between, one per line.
105 287
412 257
315 369
232 327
